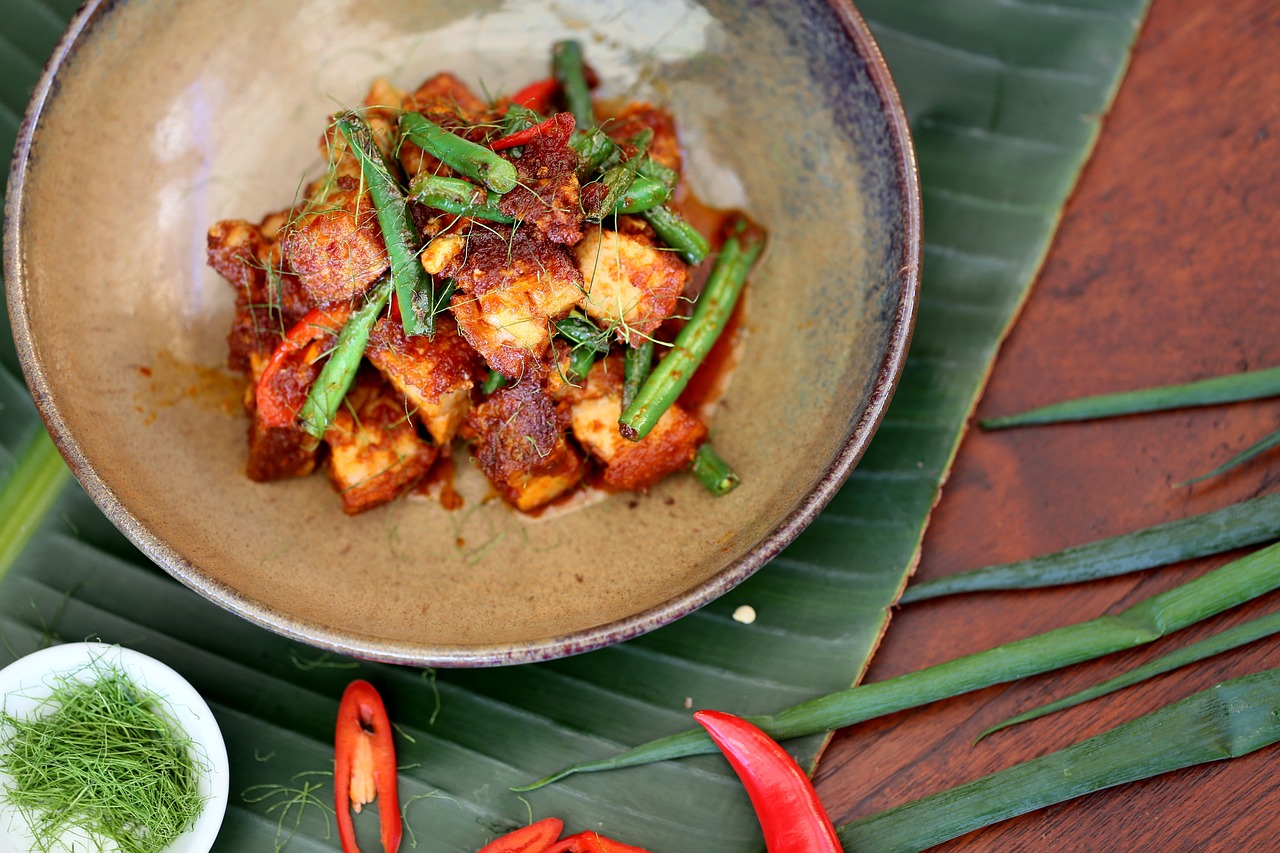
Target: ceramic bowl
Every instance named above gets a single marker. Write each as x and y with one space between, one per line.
155 120
28 681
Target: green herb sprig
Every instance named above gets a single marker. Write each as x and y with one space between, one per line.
104 757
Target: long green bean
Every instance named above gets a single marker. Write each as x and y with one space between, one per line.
568 69
673 230
339 371
454 195
398 231
618 179
1233 584
637 364
710 315
713 472
459 153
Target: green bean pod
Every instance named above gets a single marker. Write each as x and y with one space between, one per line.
643 194
493 382
713 472
673 230
618 179
454 195
518 118
582 333
335 378
636 367
460 154
568 69
596 151
412 284
710 316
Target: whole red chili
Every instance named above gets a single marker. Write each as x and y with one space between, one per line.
364 766
560 123
538 95
282 387
790 813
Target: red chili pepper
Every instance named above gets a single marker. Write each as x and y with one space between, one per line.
537 95
365 765
560 123
593 842
790 813
278 401
534 838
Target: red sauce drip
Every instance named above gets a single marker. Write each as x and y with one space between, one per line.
442 474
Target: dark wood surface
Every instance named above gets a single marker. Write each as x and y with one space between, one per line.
1166 269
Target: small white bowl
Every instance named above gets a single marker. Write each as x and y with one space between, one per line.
27 681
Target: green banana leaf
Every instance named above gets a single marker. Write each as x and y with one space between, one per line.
1005 100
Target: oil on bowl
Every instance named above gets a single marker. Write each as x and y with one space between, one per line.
155 120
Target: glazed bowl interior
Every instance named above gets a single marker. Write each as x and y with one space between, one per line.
166 118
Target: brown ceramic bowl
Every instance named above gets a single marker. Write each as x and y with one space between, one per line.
156 119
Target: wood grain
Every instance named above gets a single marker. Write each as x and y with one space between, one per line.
1165 270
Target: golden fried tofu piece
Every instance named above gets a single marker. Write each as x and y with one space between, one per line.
633 466
375 454
630 284
512 286
518 442
434 374
336 247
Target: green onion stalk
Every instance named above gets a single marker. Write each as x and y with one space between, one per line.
1235 583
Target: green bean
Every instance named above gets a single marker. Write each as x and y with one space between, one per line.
636 366
651 168
678 234
595 151
644 194
580 361
454 195
460 154
713 472
493 382
578 329
412 284
339 371
695 340
570 73
618 180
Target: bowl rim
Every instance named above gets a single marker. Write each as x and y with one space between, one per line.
888 373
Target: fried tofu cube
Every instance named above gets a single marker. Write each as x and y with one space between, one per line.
633 466
630 284
375 453
520 445
278 453
435 375
512 286
336 248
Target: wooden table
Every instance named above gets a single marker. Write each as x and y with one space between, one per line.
1164 270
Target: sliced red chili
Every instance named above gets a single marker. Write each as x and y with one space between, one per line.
534 838
538 95
790 813
282 387
364 766
560 123
593 842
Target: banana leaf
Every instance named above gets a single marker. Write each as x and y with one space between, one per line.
1005 101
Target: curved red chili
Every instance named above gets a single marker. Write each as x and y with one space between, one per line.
593 842
790 813
538 95
277 400
560 123
364 767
